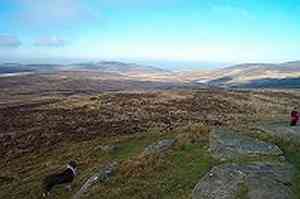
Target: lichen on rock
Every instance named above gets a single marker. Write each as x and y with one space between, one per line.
260 180
226 144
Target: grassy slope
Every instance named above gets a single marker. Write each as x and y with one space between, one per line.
293 157
170 176
173 175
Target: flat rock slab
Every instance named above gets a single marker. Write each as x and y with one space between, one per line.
159 147
108 148
225 144
282 131
103 175
253 181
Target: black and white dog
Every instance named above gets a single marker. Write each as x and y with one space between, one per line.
65 177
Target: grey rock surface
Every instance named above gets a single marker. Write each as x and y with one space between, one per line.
225 144
102 176
258 180
159 147
108 148
282 131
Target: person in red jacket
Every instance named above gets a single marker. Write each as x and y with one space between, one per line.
295 116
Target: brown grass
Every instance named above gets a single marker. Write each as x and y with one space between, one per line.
193 133
137 166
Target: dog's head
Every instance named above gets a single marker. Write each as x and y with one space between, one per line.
73 164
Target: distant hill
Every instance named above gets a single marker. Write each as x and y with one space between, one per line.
273 83
117 67
20 68
249 75
256 75
13 68
104 66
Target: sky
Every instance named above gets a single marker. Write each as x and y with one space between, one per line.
161 31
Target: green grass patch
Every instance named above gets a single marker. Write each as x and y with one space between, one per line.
293 156
173 175
243 192
22 177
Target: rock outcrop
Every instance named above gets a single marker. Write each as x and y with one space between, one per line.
102 176
108 148
282 131
254 181
225 144
159 147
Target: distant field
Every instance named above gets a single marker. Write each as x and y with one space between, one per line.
42 119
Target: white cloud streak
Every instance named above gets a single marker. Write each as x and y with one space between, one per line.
52 12
9 41
50 42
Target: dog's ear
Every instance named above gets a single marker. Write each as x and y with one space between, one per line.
73 164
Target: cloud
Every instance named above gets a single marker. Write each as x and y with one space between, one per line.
50 42
52 12
9 41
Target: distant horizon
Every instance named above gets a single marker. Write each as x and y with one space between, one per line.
165 64
175 65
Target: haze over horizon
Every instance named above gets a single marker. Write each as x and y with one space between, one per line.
184 34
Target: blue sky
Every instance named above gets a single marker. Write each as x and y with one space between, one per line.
219 31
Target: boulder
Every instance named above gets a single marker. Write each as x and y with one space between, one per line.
225 144
107 148
159 147
282 131
254 181
102 176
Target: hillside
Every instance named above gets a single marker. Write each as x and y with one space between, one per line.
118 67
19 68
256 75
40 135
13 68
104 66
21 88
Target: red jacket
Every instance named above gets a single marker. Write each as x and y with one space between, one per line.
295 116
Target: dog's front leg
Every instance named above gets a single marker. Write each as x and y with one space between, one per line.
45 194
69 187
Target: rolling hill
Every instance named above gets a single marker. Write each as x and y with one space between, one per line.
256 75
117 67
249 75
104 66
13 68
